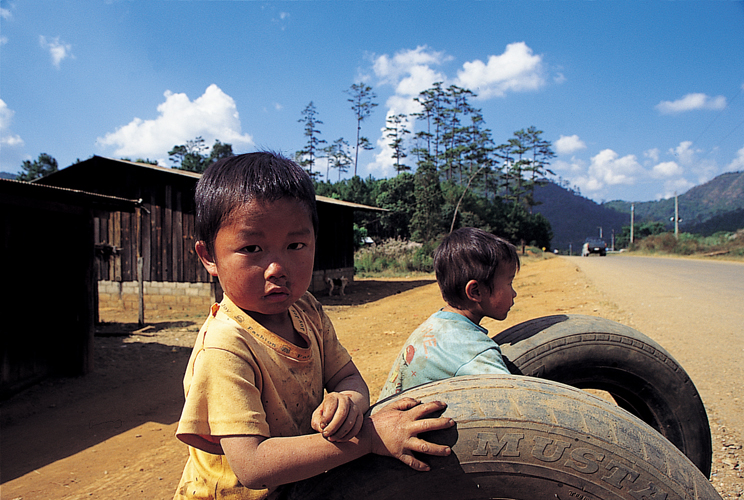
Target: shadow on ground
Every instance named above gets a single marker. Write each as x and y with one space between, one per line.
137 378
364 291
132 383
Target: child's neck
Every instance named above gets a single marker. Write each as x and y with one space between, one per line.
281 325
471 315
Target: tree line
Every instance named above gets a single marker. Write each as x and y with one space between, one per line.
449 173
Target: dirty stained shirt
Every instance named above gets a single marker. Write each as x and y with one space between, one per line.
242 379
446 345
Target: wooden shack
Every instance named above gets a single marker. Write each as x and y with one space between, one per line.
47 246
162 235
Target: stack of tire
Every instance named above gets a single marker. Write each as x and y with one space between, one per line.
537 434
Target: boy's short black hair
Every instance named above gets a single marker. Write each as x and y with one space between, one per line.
470 254
234 181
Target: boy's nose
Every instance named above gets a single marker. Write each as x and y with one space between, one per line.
275 269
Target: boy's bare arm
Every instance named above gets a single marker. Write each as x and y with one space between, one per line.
339 417
260 462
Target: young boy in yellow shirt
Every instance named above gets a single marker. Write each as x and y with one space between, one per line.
257 414
475 271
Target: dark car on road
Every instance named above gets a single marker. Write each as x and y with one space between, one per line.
594 245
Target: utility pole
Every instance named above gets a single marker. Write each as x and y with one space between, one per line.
632 221
676 218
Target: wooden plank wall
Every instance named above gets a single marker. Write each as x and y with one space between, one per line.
167 246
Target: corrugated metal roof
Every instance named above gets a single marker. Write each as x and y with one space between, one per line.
194 175
167 170
100 199
333 201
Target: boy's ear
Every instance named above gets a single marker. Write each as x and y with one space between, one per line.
473 291
205 258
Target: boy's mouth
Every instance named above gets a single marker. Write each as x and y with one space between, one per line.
277 294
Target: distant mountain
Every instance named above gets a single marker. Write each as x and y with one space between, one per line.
716 197
729 221
575 218
8 175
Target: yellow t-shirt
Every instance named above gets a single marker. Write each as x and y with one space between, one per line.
244 380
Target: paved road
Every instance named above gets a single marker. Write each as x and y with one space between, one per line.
694 309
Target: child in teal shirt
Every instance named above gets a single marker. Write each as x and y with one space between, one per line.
475 271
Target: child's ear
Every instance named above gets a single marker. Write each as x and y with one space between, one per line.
205 258
473 291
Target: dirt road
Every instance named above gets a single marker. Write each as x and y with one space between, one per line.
109 435
695 309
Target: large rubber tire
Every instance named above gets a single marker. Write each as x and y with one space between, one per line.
523 438
595 353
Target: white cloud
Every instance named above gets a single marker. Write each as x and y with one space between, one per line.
58 50
7 137
684 153
574 166
567 145
666 169
653 154
517 69
691 102
737 164
11 144
406 63
5 13
608 169
409 72
211 116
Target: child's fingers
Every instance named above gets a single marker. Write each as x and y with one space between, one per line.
428 448
323 415
350 428
430 424
402 404
414 463
420 410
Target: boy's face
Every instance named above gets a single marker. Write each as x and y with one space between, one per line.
496 304
263 256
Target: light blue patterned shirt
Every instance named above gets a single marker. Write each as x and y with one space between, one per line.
445 345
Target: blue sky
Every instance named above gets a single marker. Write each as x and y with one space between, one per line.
639 99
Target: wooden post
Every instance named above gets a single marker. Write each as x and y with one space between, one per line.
140 271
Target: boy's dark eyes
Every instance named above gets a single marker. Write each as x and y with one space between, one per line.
256 248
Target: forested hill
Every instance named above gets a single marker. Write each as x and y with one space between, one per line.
716 197
574 218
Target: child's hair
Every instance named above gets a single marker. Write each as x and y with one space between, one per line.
235 181
470 254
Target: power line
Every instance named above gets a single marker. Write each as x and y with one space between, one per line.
730 102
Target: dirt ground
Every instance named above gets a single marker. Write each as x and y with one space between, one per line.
110 435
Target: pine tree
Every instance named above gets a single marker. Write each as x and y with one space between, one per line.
396 131
307 155
362 104
40 167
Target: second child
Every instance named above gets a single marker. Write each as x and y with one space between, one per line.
475 271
